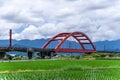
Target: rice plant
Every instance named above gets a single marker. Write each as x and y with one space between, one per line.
61 70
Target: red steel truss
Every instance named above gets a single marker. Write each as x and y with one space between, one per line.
80 37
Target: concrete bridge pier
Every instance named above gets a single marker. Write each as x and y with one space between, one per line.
42 56
2 54
30 53
49 54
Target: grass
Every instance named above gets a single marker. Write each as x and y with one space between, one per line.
61 70
90 74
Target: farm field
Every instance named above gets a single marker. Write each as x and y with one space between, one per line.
61 70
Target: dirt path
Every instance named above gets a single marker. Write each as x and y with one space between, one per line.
25 71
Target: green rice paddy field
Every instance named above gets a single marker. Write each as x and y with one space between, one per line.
61 70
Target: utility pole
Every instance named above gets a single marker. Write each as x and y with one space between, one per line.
70 47
10 39
104 48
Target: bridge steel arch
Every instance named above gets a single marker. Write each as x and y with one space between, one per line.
80 37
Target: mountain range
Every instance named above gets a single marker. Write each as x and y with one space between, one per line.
38 43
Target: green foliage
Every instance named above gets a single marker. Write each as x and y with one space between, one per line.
77 57
7 57
36 57
17 58
96 55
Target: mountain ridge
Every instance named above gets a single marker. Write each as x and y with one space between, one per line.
38 43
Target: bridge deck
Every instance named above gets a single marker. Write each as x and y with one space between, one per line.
7 49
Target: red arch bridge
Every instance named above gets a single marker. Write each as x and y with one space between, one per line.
79 37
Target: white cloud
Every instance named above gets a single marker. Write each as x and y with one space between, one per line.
99 19
30 32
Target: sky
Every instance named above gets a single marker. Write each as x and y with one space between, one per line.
36 19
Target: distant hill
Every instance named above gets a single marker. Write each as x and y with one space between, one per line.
100 45
108 45
24 43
